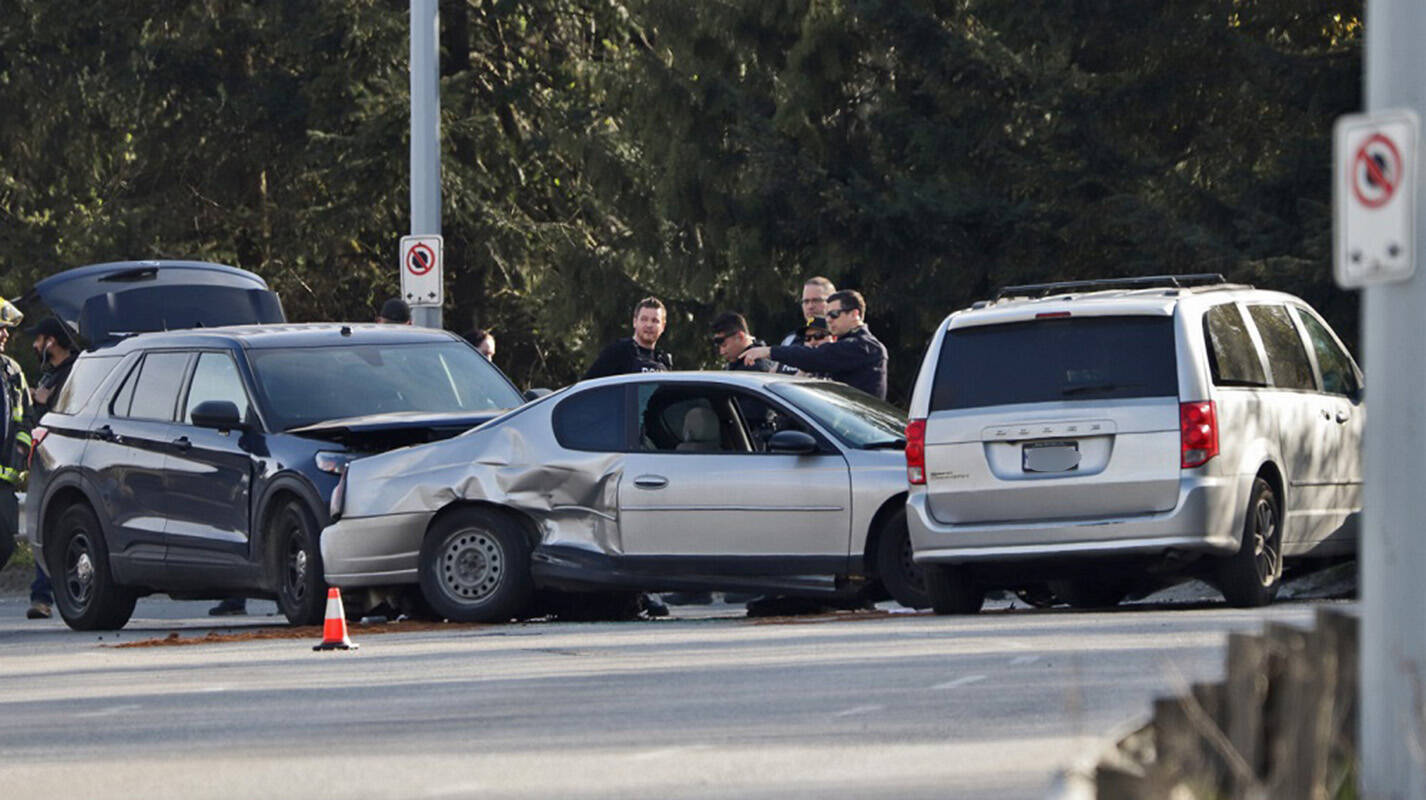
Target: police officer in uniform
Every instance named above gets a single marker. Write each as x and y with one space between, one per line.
15 420
638 353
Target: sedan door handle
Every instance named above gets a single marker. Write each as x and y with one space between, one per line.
651 481
182 443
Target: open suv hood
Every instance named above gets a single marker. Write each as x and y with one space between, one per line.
380 432
105 302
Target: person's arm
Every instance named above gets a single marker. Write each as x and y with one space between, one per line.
606 364
838 356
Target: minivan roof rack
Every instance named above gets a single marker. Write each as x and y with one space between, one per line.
1147 282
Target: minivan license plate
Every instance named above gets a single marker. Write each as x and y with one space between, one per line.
1050 456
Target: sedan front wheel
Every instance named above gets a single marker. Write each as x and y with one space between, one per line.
475 567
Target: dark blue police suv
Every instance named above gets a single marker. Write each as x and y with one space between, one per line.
200 462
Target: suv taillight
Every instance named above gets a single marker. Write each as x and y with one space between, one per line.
916 451
36 436
1198 433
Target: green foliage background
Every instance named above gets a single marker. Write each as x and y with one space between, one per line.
711 153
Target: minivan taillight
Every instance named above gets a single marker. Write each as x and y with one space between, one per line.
916 451
1198 433
36 436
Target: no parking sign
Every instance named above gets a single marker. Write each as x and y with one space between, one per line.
422 260
1374 197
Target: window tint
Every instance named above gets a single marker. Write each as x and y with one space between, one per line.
160 378
1063 359
1232 356
684 418
1338 377
216 378
592 420
84 378
1290 367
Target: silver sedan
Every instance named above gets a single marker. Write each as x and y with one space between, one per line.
654 482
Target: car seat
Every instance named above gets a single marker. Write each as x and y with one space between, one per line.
700 430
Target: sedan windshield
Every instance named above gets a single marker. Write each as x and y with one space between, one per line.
855 417
315 384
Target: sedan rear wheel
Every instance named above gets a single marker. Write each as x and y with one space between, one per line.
902 577
475 567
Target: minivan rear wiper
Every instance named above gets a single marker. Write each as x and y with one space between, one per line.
886 444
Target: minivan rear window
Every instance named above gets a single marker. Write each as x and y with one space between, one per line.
1060 359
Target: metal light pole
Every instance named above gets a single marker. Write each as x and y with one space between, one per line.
425 135
1393 557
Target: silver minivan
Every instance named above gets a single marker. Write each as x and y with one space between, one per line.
1097 436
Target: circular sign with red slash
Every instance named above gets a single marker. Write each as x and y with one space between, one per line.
420 260
1376 171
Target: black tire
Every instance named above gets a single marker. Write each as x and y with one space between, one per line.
1086 593
301 587
88 597
475 567
952 590
903 578
1251 577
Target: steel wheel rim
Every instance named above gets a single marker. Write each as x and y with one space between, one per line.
79 569
472 565
296 565
913 574
1266 558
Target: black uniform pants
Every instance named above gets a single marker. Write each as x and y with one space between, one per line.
9 521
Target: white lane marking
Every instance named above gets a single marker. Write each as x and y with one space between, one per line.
108 712
1024 659
964 680
666 751
858 710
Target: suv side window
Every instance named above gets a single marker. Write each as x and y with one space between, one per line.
84 378
216 378
155 390
592 420
1232 356
1338 376
1290 367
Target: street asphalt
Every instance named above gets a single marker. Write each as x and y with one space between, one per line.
705 704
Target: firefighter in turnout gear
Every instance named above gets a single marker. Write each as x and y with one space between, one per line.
15 420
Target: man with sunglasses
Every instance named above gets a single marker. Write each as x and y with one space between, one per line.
856 358
731 338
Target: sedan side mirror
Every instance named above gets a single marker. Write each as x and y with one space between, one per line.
220 414
535 394
795 443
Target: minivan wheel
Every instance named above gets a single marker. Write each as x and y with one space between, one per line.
84 587
300 594
951 589
902 577
1251 576
475 567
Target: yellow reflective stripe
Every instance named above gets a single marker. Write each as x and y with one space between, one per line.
23 438
10 475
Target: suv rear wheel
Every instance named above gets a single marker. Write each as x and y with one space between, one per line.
951 590
1251 576
84 587
475 567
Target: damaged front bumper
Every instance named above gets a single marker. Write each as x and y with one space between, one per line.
374 551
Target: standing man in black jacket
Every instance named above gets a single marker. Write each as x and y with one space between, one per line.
857 358
56 352
638 353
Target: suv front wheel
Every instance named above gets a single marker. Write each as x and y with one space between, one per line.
84 587
1251 576
300 595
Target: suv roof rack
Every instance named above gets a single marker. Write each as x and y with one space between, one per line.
1148 282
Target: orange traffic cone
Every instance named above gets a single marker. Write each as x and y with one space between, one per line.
334 629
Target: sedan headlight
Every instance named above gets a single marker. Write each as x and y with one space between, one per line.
339 498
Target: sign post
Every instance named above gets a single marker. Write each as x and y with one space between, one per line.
1392 742
425 147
